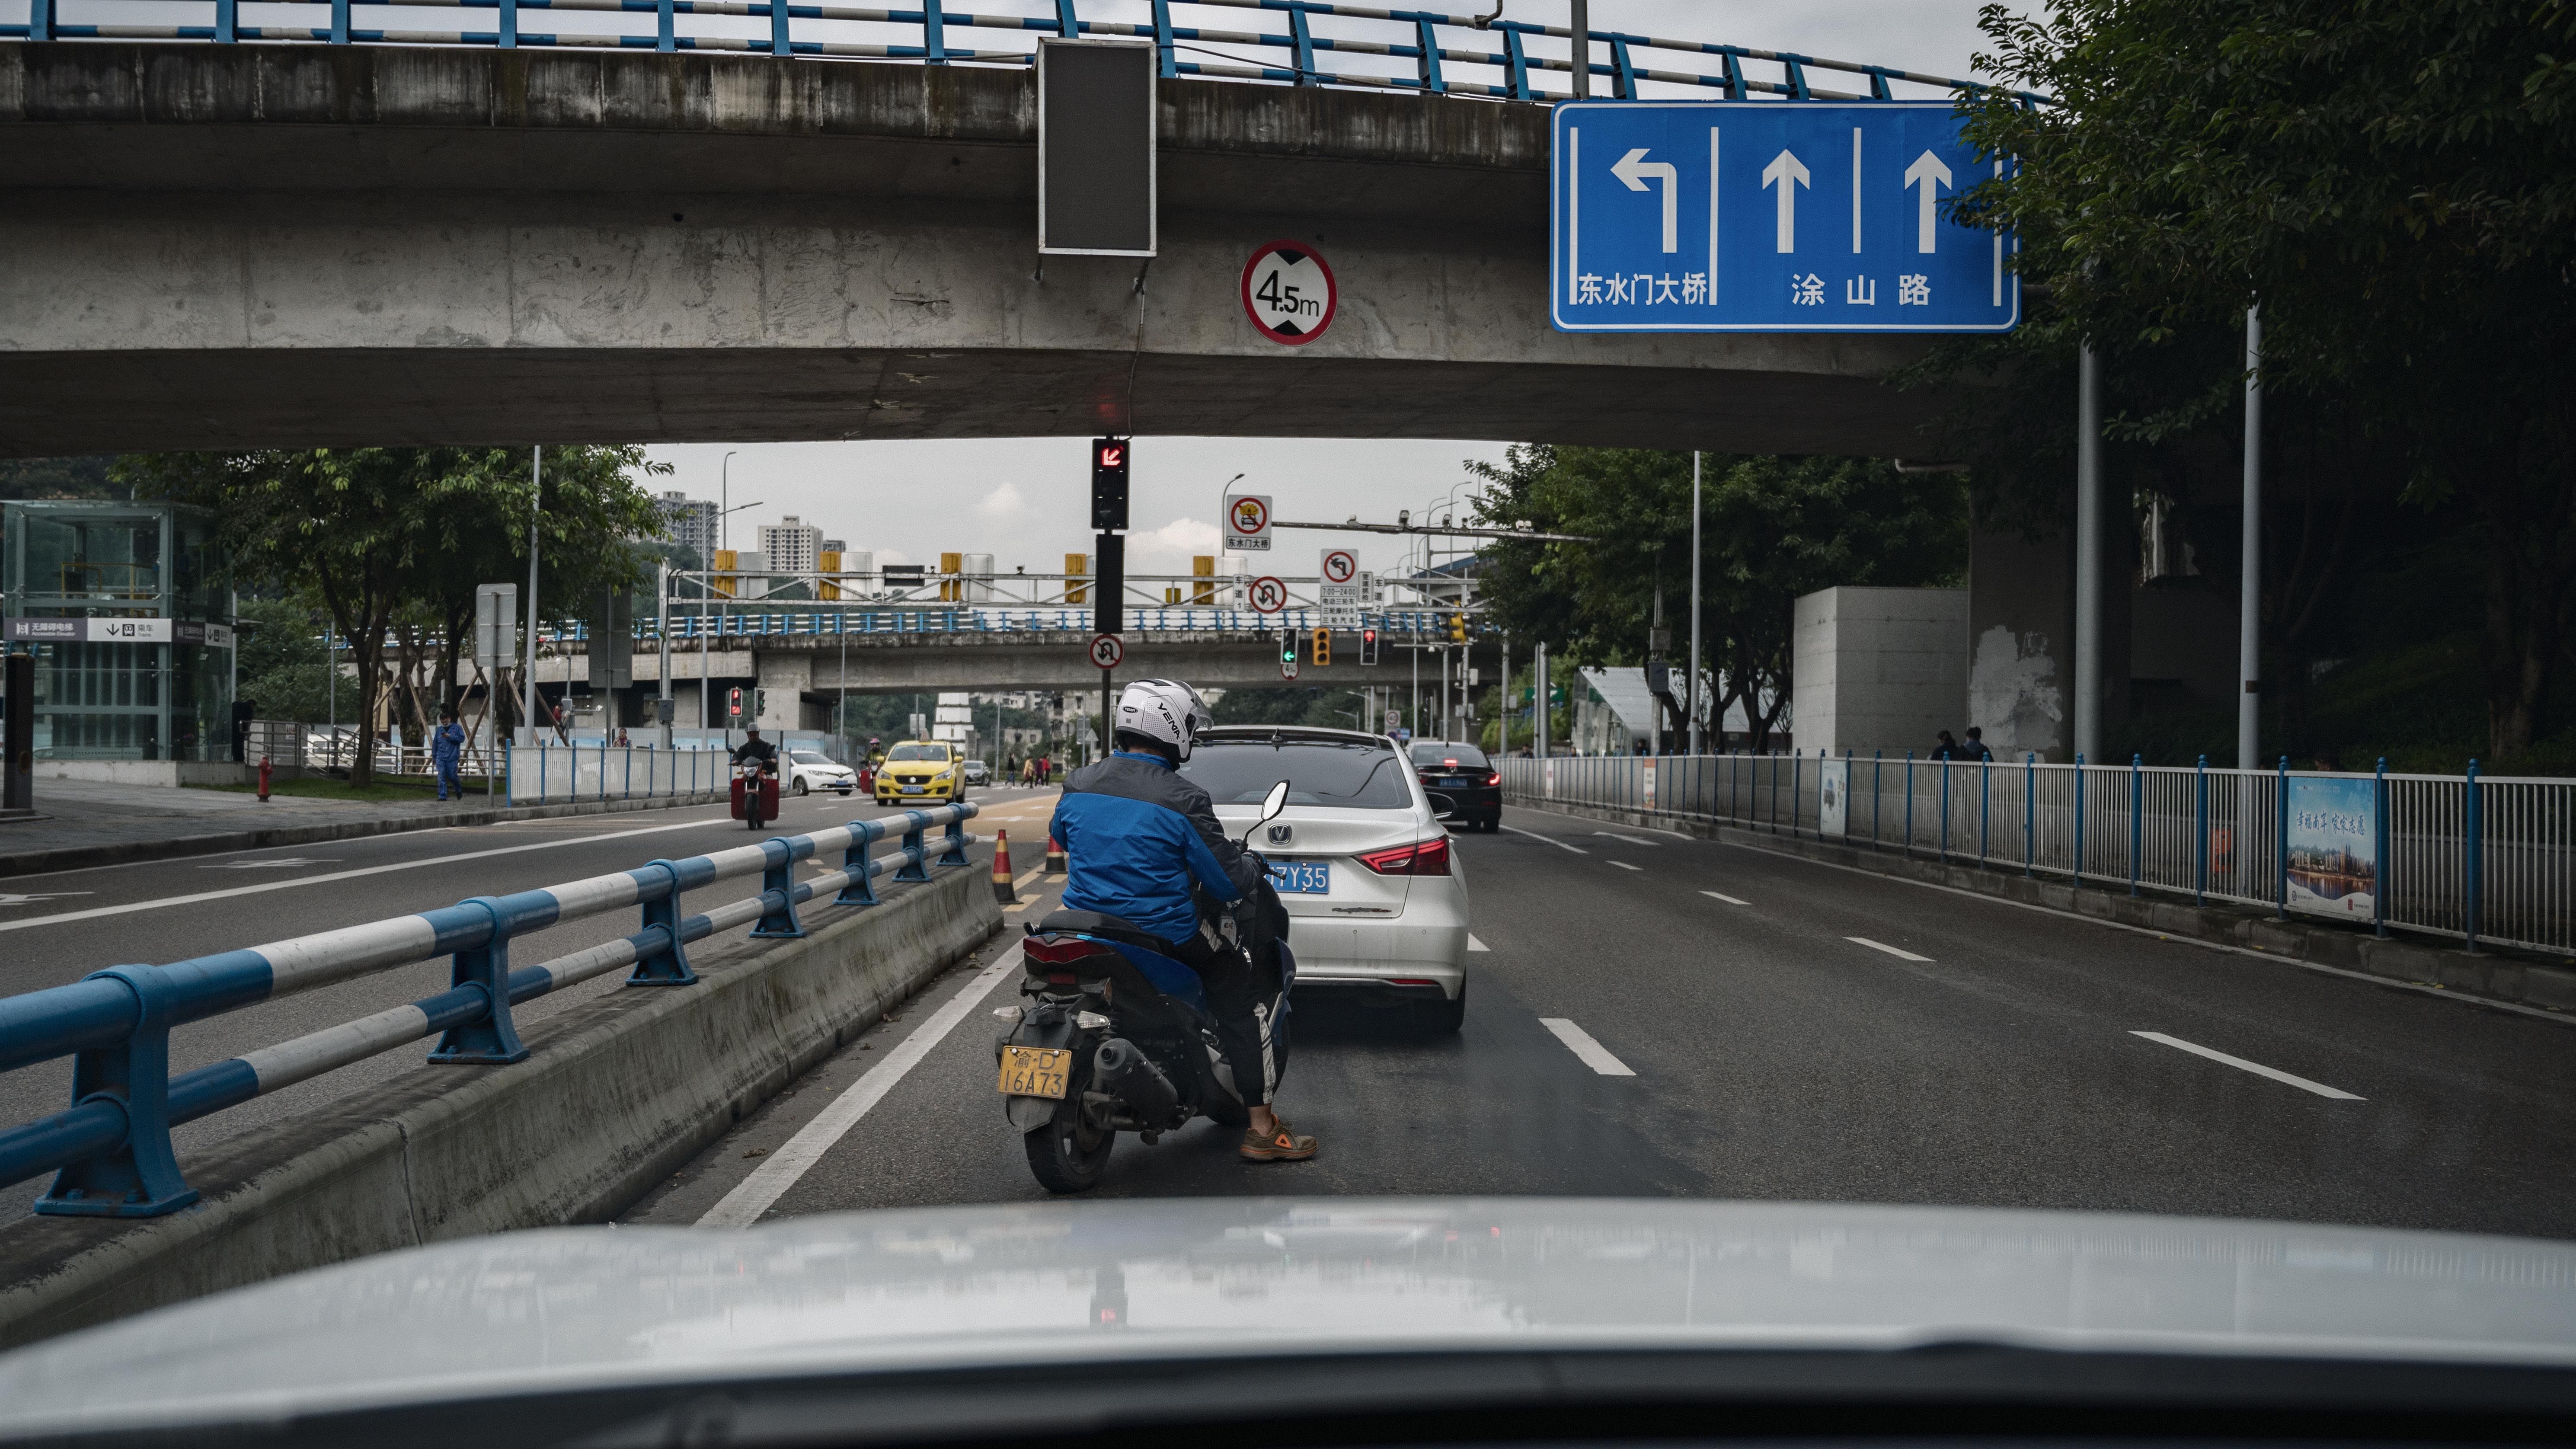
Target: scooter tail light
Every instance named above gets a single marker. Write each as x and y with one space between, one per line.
1061 950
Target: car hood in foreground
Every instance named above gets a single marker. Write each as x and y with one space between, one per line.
565 1309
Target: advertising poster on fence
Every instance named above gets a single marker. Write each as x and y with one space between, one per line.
2333 847
1646 787
1833 789
1547 768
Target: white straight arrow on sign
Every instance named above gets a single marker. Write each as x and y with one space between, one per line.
1928 173
1633 169
1788 173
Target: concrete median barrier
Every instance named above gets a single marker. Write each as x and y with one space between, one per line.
618 1094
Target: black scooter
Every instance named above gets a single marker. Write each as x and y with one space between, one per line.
1117 1037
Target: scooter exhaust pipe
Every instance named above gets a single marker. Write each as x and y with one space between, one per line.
1127 1074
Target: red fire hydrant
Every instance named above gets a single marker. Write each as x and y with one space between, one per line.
263 777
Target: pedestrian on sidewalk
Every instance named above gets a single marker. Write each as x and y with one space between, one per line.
1975 750
1946 747
446 752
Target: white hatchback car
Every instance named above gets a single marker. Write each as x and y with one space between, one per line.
1376 896
807 771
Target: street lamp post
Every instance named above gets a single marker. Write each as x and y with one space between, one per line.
536 511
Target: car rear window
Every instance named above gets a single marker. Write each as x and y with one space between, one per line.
919 752
1358 775
1435 753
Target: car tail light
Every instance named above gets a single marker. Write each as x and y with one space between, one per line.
1061 950
1431 857
1493 777
1449 764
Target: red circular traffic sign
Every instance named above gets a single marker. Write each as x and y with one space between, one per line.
1269 596
1106 650
1289 293
1340 566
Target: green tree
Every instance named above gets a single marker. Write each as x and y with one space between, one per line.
1771 529
2395 182
55 478
285 666
383 536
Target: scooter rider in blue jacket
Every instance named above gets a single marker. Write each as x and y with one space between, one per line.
1144 844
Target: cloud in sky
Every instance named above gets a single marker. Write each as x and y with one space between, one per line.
1002 502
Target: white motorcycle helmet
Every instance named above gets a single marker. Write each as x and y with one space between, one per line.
1165 710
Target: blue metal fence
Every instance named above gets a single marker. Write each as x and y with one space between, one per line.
2487 860
111 1152
1416 50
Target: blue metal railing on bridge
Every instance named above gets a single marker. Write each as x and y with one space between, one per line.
111 1150
753 623
1416 50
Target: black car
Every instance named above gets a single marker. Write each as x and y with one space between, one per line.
1463 774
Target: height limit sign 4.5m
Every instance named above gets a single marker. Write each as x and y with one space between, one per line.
1768 216
1289 293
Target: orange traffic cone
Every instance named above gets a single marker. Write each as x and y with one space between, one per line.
1055 856
1002 869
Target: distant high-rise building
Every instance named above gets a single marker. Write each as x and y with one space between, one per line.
690 523
834 545
791 545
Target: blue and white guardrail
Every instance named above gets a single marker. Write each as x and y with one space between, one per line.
111 1152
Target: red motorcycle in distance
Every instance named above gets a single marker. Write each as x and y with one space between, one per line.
755 795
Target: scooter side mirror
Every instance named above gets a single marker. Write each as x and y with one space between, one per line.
1274 802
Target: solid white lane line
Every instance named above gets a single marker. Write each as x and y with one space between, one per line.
1883 946
1730 900
1632 840
1550 839
1475 945
770 1181
1592 1053
313 880
2257 1068
1623 865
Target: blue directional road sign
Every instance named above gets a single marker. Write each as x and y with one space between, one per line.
1769 216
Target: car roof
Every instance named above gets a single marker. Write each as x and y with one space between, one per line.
1290 734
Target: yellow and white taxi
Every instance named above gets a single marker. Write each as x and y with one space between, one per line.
918 772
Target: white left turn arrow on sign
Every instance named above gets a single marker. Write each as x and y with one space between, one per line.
1788 173
1634 168
1928 173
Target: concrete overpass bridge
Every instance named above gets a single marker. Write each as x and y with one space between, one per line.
513 237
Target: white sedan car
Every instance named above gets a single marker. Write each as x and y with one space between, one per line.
806 772
1376 896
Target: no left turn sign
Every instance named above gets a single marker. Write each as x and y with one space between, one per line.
1340 566
1288 293
1269 596
1106 651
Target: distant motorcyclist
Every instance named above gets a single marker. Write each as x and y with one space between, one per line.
756 748
1145 845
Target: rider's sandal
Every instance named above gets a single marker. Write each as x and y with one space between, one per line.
1281 1144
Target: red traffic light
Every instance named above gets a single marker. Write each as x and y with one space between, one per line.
1112 456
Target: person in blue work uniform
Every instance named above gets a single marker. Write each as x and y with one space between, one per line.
447 751
1145 846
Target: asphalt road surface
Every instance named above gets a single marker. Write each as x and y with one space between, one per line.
59 927
1660 1015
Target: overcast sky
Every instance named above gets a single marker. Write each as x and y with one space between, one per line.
1024 499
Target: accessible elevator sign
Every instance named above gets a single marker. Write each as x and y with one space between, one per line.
1769 216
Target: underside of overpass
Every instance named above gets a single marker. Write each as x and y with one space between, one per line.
219 247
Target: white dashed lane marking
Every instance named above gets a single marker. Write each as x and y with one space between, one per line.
1475 945
1550 839
1591 1053
1623 865
2242 1065
1730 900
1883 946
